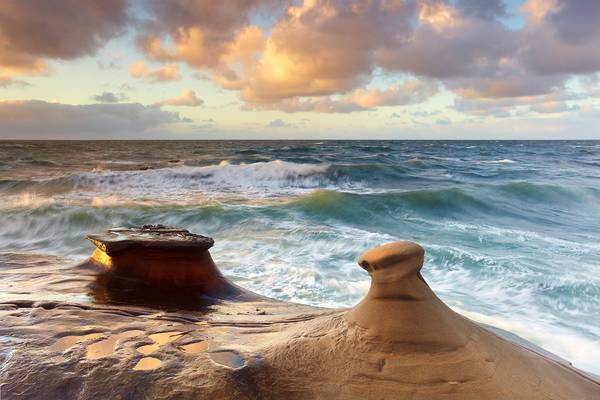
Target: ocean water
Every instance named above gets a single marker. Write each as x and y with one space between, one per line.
511 229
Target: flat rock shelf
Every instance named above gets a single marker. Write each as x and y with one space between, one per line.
162 257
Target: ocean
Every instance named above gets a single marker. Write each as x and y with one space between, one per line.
511 228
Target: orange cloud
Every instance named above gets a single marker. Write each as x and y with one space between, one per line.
168 72
439 16
186 98
201 31
410 92
318 48
32 31
318 54
536 10
322 48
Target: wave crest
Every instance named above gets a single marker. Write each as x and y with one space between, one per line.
179 181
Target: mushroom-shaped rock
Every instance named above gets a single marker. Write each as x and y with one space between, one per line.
402 342
161 256
433 352
400 310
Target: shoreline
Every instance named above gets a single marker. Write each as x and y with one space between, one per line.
259 347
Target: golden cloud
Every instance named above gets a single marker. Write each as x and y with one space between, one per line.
168 72
186 98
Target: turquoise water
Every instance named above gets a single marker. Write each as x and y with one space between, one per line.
511 229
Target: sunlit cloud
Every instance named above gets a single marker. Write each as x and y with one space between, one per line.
168 72
410 92
186 98
257 57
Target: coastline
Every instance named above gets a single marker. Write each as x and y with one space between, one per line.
129 340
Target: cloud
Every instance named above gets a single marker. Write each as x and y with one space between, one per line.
109 61
575 21
6 82
127 87
409 92
322 55
485 9
554 102
201 31
165 73
186 98
278 123
553 107
33 119
447 44
109 97
560 37
32 31
323 48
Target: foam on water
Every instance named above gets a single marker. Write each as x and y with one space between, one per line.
266 178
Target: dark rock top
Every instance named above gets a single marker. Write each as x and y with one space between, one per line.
156 236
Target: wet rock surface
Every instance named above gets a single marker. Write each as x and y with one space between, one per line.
162 258
66 333
115 240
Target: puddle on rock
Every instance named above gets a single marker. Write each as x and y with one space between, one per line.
227 358
148 349
196 347
147 363
165 337
66 342
159 339
106 347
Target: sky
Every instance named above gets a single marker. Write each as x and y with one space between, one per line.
312 69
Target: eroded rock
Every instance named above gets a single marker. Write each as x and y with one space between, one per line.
400 342
164 257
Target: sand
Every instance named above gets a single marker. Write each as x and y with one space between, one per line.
91 338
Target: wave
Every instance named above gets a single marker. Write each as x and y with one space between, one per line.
272 173
267 177
520 201
544 193
177 181
380 206
503 161
414 184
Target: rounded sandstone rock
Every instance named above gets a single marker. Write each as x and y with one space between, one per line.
404 254
400 310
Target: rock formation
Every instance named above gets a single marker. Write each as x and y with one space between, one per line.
163 257
400 342
403 342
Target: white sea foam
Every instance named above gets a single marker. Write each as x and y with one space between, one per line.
581 351
272 177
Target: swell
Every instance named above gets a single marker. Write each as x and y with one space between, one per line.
485 198
226 176
223 176
500 205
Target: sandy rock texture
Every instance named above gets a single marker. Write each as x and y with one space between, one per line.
86 331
